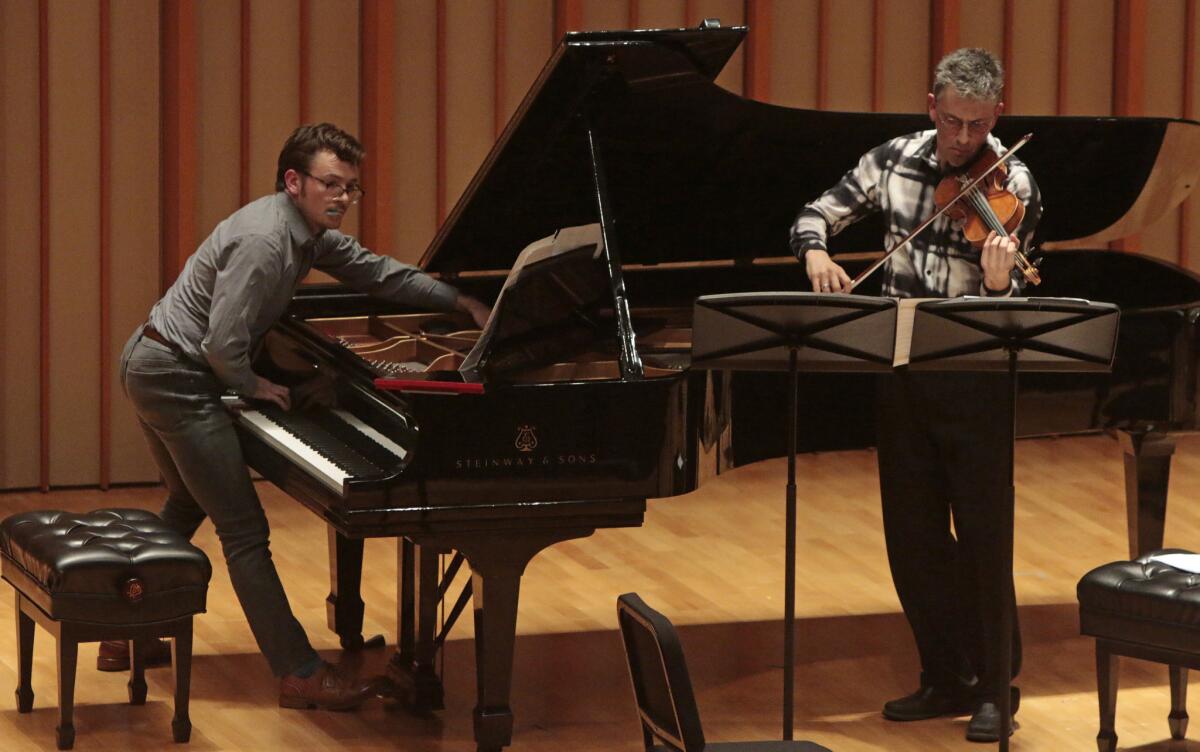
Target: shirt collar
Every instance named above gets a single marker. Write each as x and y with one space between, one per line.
927 151
297 227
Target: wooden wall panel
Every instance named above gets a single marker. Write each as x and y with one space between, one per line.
135 206
529 28
1089 58
1163 79
661 14
274 85
1192 236
416 132
906 64
1035 48
219 131
237 135
333 71
469 94
19 264
849 56
1163 86
179 88
982 25
793 56
604 14
74 215
377 54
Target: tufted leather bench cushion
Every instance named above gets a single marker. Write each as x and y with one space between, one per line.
110 566
1142 601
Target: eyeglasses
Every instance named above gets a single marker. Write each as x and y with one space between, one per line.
335 190
975 127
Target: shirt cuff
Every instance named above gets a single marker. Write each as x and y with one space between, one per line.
983 289
801 249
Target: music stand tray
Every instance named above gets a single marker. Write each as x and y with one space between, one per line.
759 331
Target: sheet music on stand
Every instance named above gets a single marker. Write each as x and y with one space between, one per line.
559 249
906 310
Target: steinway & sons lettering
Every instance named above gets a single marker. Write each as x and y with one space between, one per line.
528 460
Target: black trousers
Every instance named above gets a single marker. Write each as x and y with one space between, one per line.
943 458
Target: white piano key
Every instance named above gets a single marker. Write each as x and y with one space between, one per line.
383 441
286 443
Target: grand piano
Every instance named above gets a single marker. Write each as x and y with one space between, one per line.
580 405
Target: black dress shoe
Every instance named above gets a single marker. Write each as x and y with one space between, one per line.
927 702
984 725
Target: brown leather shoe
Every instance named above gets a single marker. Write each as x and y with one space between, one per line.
329 688
114 655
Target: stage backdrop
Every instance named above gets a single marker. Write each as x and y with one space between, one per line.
128 128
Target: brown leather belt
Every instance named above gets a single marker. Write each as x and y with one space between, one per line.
151 333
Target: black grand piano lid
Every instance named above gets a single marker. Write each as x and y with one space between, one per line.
698 173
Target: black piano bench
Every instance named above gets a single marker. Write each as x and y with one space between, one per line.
111 574
1143 609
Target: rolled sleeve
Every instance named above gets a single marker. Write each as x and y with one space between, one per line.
851 199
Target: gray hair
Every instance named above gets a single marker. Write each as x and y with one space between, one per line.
974 73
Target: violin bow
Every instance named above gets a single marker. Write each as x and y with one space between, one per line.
965 191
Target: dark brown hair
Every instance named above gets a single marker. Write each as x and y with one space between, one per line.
307 140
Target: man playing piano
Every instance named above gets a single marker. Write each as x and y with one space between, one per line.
942 436
197 344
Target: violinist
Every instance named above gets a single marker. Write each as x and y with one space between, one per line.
942 437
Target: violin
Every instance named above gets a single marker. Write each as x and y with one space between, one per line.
969 196
986 207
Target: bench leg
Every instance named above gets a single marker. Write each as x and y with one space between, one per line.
1107 676
1178 720
137 672
24 691
181 662
68 653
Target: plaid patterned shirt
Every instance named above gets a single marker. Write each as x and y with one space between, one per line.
899 178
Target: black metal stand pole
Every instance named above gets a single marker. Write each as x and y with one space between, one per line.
789 576
1006 571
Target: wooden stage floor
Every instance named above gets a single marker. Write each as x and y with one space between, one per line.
712 561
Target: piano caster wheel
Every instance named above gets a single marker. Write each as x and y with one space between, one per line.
358 643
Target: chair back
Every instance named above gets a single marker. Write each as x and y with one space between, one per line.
660 677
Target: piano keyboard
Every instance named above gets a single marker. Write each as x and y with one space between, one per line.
330 445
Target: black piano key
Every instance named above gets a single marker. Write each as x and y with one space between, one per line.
370 449
310 433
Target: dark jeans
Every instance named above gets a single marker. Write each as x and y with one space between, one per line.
195 446
943 451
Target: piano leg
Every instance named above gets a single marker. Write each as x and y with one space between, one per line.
405 601
344 606
413 668
497 563
1147 471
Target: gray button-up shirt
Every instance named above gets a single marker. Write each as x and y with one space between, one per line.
240 280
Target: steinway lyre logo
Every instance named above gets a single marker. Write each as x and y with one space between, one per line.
526 438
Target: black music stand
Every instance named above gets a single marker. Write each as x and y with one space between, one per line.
1011 335
793 331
